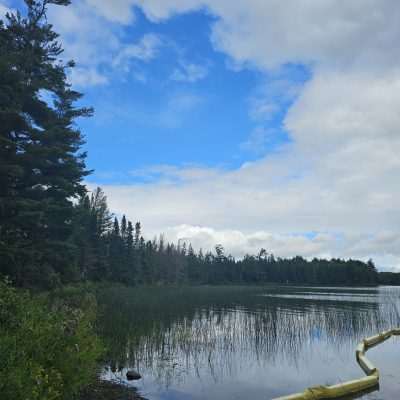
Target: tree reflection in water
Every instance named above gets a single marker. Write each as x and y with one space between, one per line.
212 334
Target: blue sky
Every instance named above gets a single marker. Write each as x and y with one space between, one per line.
254 123
187 104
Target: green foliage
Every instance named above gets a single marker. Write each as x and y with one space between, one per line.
46 352
41 168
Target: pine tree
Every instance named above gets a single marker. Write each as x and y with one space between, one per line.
130 254
92 223
123 227
115 231
129 239
83 236
116 255
141 262
138 233
102 218
41 167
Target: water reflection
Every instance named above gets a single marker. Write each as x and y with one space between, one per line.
217 343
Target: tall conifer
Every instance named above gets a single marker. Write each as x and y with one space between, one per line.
41 164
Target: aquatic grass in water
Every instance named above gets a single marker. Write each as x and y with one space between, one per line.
264 340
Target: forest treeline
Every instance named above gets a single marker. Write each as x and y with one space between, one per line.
53 231
114 249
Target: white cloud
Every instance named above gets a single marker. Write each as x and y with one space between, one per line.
266 33
91 35
157 10
264 109
330 33
277 93
259 139
282 193
239 243
272 33
340 109
144 50
120 11
87 39
189 72
179 107
86 77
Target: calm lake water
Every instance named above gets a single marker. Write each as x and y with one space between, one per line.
247 342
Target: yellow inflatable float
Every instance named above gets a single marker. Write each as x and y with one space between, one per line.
350 387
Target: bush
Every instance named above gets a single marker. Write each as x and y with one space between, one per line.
47 351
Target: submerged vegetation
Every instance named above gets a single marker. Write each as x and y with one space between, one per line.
176 333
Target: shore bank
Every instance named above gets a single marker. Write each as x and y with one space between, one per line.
105 390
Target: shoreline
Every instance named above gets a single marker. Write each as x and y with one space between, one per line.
108 390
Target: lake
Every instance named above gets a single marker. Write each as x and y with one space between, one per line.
246 342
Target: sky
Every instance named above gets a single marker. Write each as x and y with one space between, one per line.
249 123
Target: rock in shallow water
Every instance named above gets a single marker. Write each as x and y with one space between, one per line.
133 375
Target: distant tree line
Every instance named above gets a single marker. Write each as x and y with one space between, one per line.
114 249
389 278
53 232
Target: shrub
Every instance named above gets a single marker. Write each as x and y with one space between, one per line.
47 351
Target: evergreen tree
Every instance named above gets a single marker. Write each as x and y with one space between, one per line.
138 233
92 223
116 255
101 216
129 239
123 227
41 169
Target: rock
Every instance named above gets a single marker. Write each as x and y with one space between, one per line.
133 375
